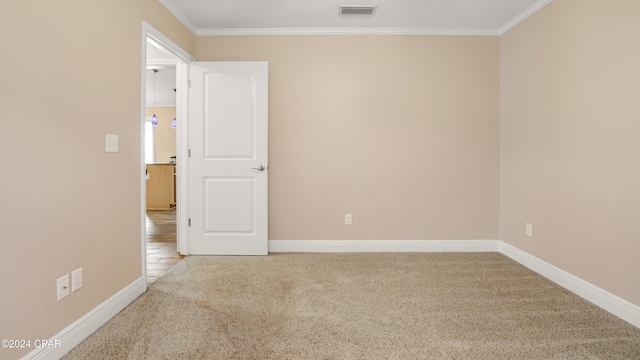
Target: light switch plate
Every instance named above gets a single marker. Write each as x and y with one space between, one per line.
76 279
112 143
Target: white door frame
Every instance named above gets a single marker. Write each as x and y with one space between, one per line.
183 58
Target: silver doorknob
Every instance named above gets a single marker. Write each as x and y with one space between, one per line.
261 168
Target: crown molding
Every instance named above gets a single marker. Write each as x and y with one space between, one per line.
179 15
168 4
523 15
345 31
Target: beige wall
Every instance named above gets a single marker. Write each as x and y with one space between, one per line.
65 202
570 124
164 134
400 131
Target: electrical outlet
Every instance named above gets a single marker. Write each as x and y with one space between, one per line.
76 279
529 230
63 287
347 219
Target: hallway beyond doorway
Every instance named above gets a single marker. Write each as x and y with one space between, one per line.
161 243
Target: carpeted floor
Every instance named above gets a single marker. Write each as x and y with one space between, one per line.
359 306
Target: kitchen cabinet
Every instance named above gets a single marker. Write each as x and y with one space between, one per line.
161 186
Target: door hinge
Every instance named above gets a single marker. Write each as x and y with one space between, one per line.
189 152
189 222
189 83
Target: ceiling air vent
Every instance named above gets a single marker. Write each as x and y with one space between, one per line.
357 10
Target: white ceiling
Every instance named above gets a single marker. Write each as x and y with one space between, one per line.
463 17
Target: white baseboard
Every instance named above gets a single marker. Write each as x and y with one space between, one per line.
614 304
75 333
327 246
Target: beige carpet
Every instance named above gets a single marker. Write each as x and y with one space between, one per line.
359 306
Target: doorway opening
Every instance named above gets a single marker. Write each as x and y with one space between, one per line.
160 162
163 122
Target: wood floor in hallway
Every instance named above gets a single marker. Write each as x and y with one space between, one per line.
161 243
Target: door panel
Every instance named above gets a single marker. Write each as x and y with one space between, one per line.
230 116
228 179
230 207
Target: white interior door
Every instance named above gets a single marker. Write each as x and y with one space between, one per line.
228 163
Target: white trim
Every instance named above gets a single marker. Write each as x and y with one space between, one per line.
164 42
612 303
75 333
523 15
169 5
143 160
161 63
345 31
179 15
182 158
609 302
383 246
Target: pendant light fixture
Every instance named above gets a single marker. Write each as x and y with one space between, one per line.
154 118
